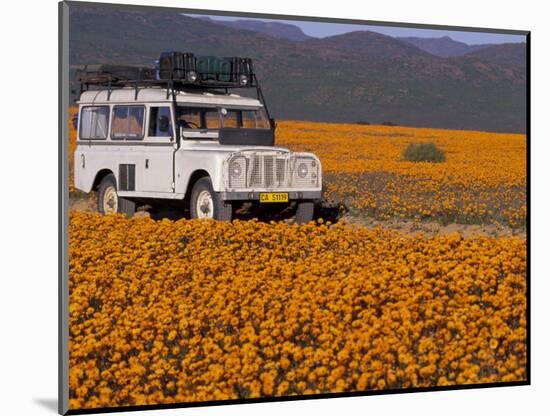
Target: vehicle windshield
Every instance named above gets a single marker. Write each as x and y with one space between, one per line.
245 119
194 118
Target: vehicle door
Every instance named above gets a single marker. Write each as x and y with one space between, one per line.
159 148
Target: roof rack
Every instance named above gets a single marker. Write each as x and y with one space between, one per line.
174 71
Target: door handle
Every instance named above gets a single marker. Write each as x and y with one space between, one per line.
146 163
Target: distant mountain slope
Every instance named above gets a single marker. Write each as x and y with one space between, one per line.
444 46
274 29
358 76
505 54
365 42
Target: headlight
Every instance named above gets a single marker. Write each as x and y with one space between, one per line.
243 80
306 171
235 170
191 76
302 170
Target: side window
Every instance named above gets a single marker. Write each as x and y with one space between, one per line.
160 122
94 122
127 122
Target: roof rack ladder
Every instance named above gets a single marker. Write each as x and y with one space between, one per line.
169 87
260 95
138 80
109 91
175 106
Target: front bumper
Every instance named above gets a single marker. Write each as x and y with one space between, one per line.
255 195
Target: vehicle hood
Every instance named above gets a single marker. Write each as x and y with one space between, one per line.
205 146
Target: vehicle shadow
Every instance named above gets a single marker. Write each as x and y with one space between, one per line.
169 213
332 212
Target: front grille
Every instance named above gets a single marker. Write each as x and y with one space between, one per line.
255 172
280 171
268 171
264 170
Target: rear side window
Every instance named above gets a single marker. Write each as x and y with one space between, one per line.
94 122
127 122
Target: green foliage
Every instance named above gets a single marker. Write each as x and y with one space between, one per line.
423 152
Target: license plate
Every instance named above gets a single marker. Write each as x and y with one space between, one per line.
274 197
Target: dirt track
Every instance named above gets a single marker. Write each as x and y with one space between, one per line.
88 203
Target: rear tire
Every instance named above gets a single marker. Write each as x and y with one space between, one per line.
304 212
108 201
206 203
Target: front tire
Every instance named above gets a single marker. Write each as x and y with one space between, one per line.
304 212
108 201
206 203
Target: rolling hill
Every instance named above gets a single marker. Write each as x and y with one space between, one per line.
274 29
358 76
443 46
506 54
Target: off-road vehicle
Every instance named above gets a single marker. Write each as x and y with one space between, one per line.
179 132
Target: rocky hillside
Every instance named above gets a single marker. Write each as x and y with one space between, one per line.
356 77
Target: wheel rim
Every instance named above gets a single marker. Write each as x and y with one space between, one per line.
110 200
205 205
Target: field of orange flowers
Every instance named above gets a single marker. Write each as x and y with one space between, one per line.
164 312
483 180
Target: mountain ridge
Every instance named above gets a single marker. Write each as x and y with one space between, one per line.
443 46
357 76
274 29
502 54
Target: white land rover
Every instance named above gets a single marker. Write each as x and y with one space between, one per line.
179 132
